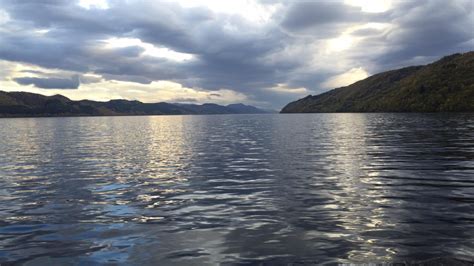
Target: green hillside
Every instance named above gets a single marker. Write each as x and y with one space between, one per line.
446 85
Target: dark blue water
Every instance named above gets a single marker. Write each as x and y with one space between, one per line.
171 190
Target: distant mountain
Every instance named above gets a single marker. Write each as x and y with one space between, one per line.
242 108
14 104
446 85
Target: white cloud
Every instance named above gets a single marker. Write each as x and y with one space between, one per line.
347 78
4 17
340 43
88 4
373 6
285 89
149 49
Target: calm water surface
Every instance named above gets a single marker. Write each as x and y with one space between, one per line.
179 190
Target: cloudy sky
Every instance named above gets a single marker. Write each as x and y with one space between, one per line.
260 52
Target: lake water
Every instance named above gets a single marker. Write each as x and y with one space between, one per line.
180 190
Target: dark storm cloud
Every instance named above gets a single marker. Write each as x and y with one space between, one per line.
432 29
423 31
26 46
301 15
50 83
325 19
229 51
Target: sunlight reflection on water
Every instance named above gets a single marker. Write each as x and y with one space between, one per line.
320 188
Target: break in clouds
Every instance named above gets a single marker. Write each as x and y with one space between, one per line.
265 53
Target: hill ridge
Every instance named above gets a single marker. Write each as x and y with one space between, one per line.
446 85
26 104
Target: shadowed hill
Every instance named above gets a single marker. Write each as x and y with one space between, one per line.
446 85
30 104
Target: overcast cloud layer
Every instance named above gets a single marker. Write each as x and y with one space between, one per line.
265 53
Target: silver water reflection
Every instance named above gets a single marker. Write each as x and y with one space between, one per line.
318 188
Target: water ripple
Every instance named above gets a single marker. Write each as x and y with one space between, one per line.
242 189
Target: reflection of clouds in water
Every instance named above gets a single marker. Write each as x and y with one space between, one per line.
416 171
293 207
245 188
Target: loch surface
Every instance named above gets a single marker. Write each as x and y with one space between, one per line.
225 189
